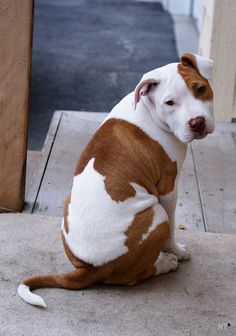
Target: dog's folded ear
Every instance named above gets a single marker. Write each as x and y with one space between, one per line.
203 65
143 88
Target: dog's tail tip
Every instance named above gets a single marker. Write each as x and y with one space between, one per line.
29 297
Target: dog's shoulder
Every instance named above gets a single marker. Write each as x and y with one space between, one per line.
124 153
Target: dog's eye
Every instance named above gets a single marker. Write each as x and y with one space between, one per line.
201 90
170 102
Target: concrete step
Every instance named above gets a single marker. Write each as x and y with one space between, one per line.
198 299
33 160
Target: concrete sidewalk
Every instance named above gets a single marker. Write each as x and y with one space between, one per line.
198 299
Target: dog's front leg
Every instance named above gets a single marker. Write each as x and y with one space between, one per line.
169 204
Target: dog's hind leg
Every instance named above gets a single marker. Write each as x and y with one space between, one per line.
148 273
164 264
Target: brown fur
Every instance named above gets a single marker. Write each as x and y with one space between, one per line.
77 279
129 268
123 153
138 228
197 84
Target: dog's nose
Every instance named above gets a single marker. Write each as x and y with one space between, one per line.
197 124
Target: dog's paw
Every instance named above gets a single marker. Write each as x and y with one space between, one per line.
166 262
181 252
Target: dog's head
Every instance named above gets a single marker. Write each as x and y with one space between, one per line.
180 96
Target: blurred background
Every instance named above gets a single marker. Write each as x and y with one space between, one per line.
87 55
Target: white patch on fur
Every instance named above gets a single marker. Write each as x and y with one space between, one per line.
166 263
29 297
96 223
205 66
180 251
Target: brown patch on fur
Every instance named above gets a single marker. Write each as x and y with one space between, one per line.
133 267
66 212
123 154
197 84
77 279
148 273
188 59
141 223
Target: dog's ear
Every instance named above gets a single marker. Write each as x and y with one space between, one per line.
143 88
203 65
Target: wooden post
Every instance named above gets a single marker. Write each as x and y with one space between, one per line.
16 19
218 41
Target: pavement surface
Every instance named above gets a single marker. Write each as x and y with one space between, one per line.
198 299
88 54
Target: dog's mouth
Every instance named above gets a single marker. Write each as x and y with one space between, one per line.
202 133
191 135
199 135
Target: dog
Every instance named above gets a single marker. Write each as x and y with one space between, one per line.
119 220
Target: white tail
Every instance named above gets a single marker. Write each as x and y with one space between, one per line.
77 279
26 295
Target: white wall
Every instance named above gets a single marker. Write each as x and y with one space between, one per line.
177 6
185 7
218 41
198 12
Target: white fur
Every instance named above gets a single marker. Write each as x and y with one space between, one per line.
168 125
180 251
29 297
169 204
97 224
166 263
173 87
142 118
205 66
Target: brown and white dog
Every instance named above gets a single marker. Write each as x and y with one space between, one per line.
119 218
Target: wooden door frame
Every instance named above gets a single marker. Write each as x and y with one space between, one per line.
218 41
16 26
